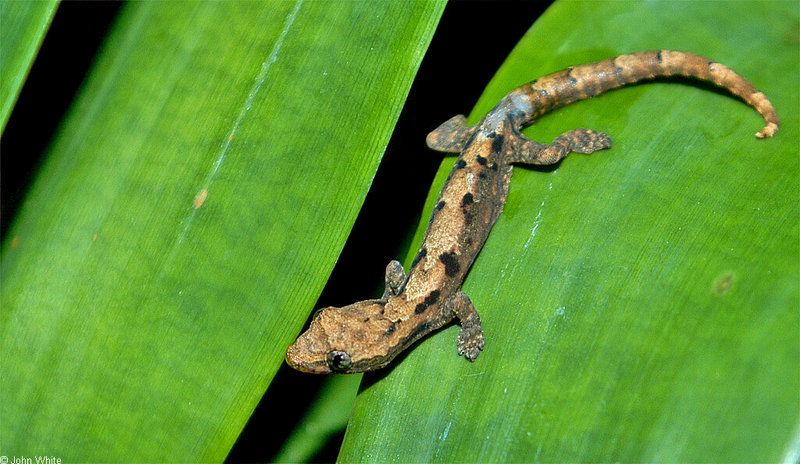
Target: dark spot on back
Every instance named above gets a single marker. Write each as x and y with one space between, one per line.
422 253
432 297
451 266
497 143
482 174
481 159
390 330
440 205
493 166
467 199
460 163
659 57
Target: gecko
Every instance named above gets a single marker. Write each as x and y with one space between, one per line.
369 334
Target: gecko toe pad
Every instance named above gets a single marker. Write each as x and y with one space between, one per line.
587 141
470 342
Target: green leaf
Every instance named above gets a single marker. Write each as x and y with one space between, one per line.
187 217
327 416
23 25
640 304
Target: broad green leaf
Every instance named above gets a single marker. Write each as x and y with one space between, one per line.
22 27
640 304
187 217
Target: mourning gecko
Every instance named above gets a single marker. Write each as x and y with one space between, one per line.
369 334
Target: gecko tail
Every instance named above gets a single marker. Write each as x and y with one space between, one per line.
584 81
768 131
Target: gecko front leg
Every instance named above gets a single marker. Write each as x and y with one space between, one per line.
470 338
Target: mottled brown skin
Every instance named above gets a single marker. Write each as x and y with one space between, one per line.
367 335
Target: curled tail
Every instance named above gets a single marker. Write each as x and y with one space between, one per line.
584 81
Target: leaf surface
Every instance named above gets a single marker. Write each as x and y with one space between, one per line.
23 25
187 217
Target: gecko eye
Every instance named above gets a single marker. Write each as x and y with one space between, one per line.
338 360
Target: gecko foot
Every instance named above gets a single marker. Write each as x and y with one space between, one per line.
470 339
470 342
585 141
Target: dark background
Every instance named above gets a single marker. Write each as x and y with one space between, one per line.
470 44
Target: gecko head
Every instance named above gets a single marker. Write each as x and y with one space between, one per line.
353 338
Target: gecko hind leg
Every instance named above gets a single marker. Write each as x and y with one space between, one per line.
586 141
395 278
451 136
470 338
